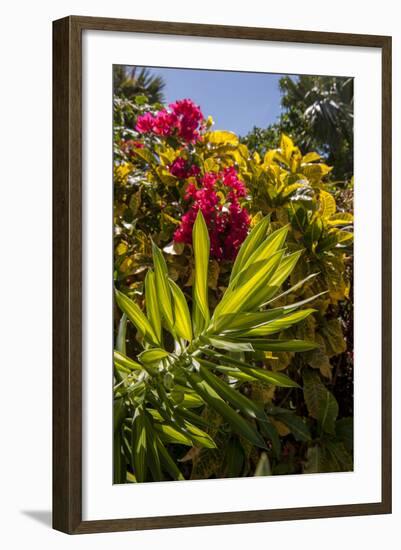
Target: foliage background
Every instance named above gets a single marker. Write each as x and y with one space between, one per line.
294 187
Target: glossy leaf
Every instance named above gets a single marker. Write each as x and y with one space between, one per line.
182 318
162 286
201 245
152 304
136 316
211 397
250 245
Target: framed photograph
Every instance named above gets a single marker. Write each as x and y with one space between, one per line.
222 275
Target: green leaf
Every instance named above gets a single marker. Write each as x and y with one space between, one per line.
145 155
185 397
343 236
333 336
119 412
168 463
248 247
278 325
235 458
340 455
243 321
237 399
170 435
269 377
248 296
284 270
270 432
345 432
266 344
119 464
296 424
136 316
154 355
201 246
274 242
314 460
162 286
123 362
313 233
295 305
139 445
210 396
263 467
199 436
321 404
226 344
153 454
121 335
152 304
182 324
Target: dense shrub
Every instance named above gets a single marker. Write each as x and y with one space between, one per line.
170 167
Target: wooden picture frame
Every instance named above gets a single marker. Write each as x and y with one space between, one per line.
67 274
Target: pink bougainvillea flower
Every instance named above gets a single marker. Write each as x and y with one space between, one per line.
145 123
189 117
184 119
218 197
182 170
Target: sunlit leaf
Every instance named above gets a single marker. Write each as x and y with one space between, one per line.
136 316
201 245
152 304
182 318
162 286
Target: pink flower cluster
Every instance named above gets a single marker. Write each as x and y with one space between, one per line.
218 198
183 119
182 170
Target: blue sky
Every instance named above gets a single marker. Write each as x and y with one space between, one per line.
237 101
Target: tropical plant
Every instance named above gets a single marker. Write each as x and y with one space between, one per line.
130 82
318 115
191 361
168 165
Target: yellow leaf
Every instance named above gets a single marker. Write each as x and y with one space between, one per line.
286 146
269 157
327 204
315 172
121 173
222 137
121 248
310 157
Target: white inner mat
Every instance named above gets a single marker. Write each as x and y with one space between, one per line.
102 499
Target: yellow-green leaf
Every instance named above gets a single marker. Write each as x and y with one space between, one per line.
162 286
277 325
201 246
152 304
136 316
182 318
327 204
154 355
250 245
124 362
222 137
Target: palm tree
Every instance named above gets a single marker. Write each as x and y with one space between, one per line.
132 81
319 115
